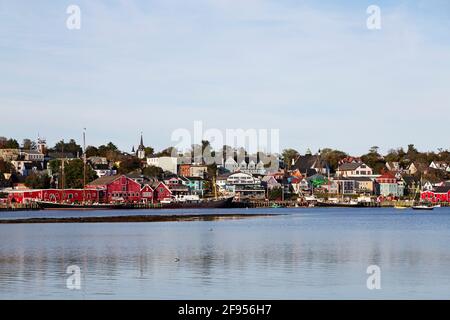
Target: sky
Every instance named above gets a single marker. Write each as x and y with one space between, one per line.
311 69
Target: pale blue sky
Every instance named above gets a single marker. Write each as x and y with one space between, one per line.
312 70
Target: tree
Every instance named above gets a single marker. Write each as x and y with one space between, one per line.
149 151
5 167
8 143
28 144
374 160
74 174
168 152
332 157
288 155
92 151
109 151
153 172
37 181
129 164
70 147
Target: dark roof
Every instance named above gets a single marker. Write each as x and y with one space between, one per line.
304 163
362 179
60 155
135 175
443 189
410 180
103 180
349 166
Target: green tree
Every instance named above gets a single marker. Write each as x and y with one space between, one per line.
74 174
92 151
332 157
28 144
153 172
374 160
5 167
8 143
70 147
129 164
288 155
168 152
37 181
149 151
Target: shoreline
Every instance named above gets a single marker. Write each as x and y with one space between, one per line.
137 218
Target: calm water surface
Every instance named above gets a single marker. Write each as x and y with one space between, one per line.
302 254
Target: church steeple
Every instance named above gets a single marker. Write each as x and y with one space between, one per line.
141 145
141 149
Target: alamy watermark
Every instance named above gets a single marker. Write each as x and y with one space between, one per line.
215 146
73 282
374 20
73 21
374 280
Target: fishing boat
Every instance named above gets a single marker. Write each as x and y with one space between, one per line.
422 207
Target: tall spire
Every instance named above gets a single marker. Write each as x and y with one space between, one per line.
142 141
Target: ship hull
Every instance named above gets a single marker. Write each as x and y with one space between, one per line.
211 204
65 206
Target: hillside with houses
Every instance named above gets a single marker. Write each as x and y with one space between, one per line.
66 173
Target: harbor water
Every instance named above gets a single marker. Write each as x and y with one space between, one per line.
299 253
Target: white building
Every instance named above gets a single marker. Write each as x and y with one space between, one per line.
165 163
354 169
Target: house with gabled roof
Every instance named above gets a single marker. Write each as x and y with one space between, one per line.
354 169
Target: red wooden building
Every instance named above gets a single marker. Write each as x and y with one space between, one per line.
161 191
53 195
116 189
108 189
438 194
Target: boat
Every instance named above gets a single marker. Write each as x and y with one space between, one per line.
422 207
200 204
400 207
437 206
340 204
48 205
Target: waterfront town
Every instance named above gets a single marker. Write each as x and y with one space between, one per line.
68 173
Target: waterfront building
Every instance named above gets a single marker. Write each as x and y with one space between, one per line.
53 195
195 185
345 186
437 194
245 185
388 185
269 182
160 191
116 189
364 185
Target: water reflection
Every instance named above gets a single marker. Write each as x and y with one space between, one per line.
309 254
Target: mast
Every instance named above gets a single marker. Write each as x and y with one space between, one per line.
84 165
62 171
